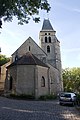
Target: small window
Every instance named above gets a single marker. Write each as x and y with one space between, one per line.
10 85
45 33
48 49
49 34
42 81
16 57
45 39
29 48
49 39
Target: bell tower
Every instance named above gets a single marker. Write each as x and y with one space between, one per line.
50 44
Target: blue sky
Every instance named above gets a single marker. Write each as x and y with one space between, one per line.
65 19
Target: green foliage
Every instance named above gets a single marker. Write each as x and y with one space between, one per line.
78 100
47 97
32 97
22 96
71 79
22 9
3 59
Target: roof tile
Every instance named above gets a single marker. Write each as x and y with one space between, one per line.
28 59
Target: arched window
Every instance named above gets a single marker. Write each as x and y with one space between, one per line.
45 39
48 49
29 48
16 57
49 39
42 81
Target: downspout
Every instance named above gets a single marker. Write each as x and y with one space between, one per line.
49 86
36 82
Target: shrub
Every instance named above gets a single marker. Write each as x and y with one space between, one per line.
22 96
47 97
78 99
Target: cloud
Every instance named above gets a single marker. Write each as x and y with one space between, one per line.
66 7
76 10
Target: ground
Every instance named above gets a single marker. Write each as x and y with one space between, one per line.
36 110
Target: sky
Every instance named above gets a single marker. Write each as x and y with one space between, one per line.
65 19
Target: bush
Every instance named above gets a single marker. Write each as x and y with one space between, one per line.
47 97
78 99
22 96
32 97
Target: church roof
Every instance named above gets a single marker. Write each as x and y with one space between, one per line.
28 59
47 25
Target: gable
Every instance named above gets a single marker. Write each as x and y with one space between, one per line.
29 46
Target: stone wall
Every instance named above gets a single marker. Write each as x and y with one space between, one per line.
43 71
25 79
55 81
3 75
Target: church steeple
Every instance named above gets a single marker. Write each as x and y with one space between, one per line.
47 25
50 44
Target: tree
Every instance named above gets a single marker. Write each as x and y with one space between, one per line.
22 9
71 79
67 81
3 59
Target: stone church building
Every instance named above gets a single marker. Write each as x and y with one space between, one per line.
36 70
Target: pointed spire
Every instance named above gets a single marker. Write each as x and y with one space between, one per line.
47 25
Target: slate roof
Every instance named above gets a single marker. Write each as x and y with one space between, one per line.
28 59
47 25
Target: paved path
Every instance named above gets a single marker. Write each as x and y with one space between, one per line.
35 110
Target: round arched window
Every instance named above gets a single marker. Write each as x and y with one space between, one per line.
49 39
29 48
45 39
48 49
42 81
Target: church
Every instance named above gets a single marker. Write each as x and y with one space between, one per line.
36 70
